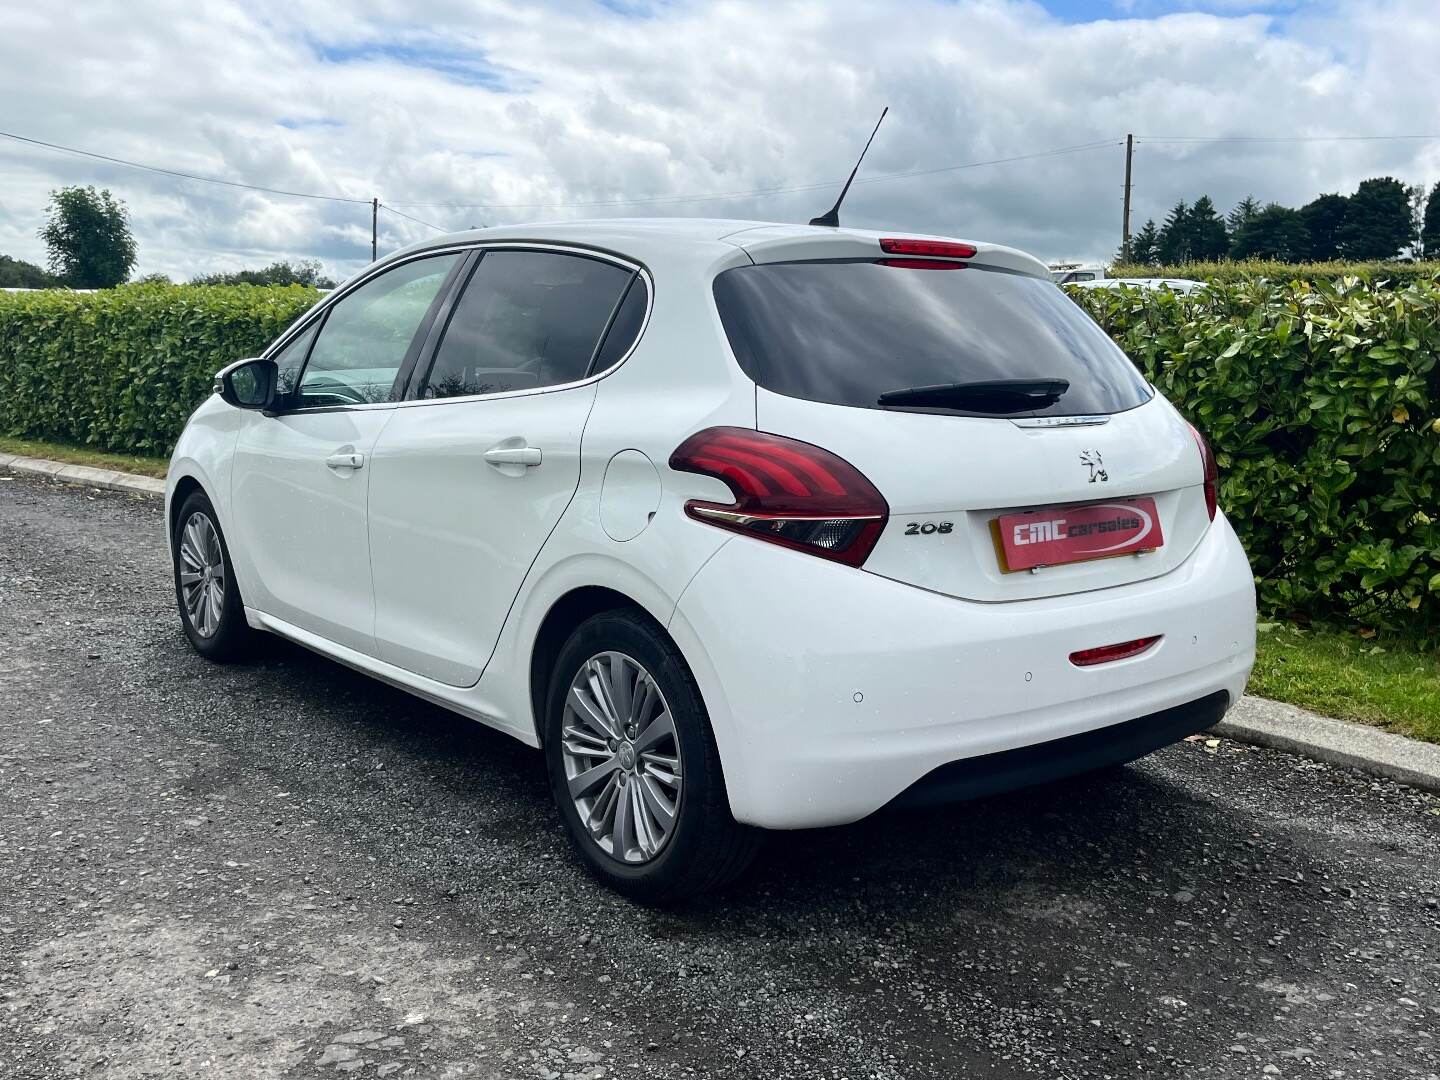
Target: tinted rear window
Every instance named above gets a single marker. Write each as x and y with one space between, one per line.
526 319
847 332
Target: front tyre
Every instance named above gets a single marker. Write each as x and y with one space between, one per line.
633 765
211 610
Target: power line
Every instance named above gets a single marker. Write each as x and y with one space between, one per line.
757 192
1280 138
1098 145
650 201
176 172
407 217
659 200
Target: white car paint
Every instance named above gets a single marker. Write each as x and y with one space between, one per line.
298 527
830 688
1075 273
445 567
1182 286
844 704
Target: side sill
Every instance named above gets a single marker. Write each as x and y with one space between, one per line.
461 700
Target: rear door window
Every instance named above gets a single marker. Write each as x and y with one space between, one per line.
526 319
846 332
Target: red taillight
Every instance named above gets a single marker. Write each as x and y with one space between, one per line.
1212 472
938 249
1103 654
786 491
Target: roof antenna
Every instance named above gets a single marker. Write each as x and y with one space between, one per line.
832 217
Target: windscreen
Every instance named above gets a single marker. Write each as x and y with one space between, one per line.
847 332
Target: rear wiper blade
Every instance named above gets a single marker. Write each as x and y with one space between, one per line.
986 395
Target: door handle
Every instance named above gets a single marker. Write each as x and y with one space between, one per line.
345 461
529 456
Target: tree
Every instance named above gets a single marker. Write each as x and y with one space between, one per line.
1174 246
16 274
1208 239
1145 245
1323 217
1377 221
1276 232
87 234
304 272
1430 226
1244 210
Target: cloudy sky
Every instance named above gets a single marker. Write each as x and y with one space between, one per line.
583 108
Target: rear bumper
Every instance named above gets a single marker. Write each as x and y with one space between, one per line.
832 691
991 774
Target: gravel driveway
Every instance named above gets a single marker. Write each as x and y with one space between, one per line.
287 869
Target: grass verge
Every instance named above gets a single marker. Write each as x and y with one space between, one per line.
79 455
1393 684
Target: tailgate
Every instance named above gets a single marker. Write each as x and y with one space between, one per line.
949 479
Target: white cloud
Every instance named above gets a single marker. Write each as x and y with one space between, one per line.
519 103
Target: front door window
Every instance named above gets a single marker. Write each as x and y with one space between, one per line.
369 333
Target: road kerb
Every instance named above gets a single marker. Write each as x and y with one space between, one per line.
1274 724
84 474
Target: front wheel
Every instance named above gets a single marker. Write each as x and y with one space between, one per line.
633 765
205 591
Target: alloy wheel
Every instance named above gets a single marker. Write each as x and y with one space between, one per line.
202 574
622 757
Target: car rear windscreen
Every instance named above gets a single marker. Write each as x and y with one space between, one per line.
847 332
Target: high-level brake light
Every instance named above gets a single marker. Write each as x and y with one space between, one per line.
934 249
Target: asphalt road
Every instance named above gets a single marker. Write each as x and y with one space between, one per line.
286 869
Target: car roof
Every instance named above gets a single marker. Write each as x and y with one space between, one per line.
650 239
635 237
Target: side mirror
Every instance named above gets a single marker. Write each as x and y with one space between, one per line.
248 384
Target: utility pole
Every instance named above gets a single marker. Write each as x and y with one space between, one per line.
375 217
1125 230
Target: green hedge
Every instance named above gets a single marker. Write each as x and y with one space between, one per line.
1321 402
122 369
1396 273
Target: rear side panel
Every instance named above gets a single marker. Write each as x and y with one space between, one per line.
626 528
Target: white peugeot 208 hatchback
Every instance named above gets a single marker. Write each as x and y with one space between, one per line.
746 526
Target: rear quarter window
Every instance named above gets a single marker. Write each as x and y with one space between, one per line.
846 332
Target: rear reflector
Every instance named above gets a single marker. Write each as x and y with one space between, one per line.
935 249
786 492
1103 654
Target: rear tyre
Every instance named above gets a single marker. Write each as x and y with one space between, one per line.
211 610
633 765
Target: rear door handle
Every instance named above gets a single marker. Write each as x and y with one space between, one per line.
529 456
345 461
